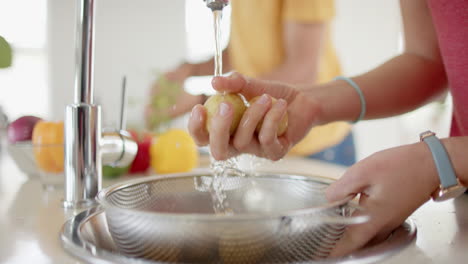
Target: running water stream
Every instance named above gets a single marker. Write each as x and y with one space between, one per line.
218 56
228 168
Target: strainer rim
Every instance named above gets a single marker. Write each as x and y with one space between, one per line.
104 193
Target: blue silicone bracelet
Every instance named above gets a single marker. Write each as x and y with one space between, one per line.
442 161
361 96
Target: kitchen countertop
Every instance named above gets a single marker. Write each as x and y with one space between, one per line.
31 219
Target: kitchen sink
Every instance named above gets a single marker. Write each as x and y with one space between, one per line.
87 237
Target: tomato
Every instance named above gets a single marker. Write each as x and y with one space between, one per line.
141 163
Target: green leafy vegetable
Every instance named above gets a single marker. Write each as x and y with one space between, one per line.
161 101
5 53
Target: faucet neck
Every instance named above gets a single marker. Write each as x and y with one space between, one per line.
83 120
84 72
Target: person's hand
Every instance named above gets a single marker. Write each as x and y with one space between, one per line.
168 98
392 184
302 112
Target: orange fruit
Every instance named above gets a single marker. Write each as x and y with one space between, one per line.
47 140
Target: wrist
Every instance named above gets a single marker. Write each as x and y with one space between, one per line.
337 101
416 166
456 149
426 163
320 114
323 98
450 185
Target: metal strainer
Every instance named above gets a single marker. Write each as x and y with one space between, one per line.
271 218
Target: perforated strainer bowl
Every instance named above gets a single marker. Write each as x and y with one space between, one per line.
266 218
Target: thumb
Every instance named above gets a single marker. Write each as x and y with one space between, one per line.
251 87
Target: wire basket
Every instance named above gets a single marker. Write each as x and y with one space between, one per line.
266 218
43 162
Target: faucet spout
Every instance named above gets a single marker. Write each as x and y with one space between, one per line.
215 5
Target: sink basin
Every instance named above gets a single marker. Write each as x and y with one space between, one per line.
87 237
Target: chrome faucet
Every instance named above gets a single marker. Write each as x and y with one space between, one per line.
216 4
86 147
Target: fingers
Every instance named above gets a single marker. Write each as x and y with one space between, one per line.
197 127
245 134
250 88
352 182
355 237
219 132
377 229
273 147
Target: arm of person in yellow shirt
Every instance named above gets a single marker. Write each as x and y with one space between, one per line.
303 43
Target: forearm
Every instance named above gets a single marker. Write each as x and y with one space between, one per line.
207 67
398 86
303 44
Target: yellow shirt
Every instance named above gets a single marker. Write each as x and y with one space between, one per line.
256 47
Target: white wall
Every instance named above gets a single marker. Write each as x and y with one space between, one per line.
25 81
366 32
60 42
134 38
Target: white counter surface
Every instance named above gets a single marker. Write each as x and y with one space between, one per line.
31 218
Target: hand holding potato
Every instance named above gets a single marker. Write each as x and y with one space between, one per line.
264 112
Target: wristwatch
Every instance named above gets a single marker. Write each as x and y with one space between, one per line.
450 186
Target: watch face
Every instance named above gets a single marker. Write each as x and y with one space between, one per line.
451 192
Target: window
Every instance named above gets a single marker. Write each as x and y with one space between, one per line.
200 40
24 86
199 28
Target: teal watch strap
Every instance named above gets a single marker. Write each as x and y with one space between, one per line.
441 159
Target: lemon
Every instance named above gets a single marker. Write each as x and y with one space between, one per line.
173 151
